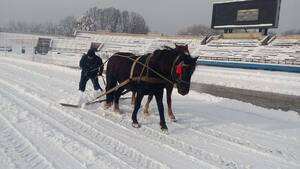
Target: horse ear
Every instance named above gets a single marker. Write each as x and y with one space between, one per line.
186 48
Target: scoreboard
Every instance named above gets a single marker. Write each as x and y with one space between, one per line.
240 14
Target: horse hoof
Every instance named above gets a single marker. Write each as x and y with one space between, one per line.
106 106
146 113
117 111
173 119
136 125
165 131
163 127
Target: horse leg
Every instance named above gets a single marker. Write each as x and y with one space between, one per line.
169 101
146 108
116 100
137 105
160 106
111 83
133 97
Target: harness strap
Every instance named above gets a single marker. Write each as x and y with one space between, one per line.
133 66
148 79
158 74
111 90
172 71
147 63
173 66
144 66
143 78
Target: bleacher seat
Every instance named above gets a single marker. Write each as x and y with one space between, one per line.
280 51
234 43
70 45
285 42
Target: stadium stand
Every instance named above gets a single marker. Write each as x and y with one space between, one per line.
234 43
43 46
15 42
288 41
280 50
64 45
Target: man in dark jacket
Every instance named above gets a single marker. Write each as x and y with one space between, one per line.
91 66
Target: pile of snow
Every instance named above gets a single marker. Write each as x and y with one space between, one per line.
256 80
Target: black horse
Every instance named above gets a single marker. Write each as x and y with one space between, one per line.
148 75
169 88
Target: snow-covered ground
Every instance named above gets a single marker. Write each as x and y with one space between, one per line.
211 132
250 79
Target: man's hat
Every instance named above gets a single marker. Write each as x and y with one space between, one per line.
91 52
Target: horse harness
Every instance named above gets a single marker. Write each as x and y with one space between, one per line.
178 69
145 66
144 78
175 68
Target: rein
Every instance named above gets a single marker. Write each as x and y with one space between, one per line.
179 72
140 78
137 61
143 78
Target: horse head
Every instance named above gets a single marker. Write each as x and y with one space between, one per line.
184 66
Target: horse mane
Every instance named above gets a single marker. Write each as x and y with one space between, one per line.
165 47
128 54
177 49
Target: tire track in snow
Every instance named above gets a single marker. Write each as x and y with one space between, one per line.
198 155
282 149
176 145
228 141
97 120
157 141
278 154
119 149
39 75
68 84
173 143
20 151
236 134
82 156
214 135
232 139
208 156
47 80
255 131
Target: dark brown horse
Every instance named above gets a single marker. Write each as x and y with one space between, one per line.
149 74
169 88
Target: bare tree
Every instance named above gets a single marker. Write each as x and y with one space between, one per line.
137 24
110 19
67 26
125 20
86 23
113 20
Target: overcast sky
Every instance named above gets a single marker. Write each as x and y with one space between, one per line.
166 16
